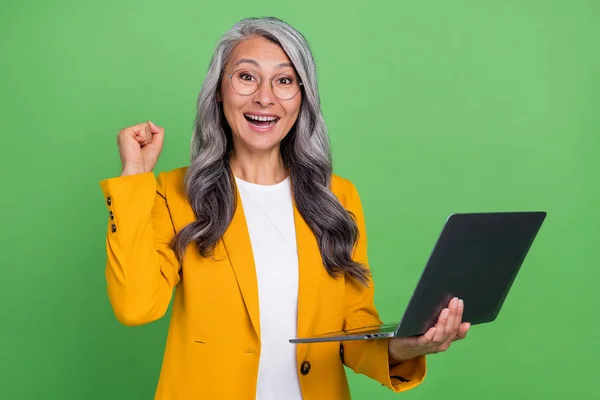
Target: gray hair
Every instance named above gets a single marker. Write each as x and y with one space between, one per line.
305 150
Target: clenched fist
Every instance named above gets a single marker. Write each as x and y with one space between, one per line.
139 147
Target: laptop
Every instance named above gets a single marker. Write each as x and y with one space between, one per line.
476 258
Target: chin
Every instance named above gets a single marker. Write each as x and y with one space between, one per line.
260 144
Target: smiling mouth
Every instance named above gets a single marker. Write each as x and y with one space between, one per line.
261 121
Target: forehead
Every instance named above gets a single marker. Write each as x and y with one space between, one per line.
259 53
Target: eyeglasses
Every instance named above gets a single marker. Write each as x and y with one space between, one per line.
246 82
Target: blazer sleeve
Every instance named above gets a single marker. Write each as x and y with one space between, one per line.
141 269
370 357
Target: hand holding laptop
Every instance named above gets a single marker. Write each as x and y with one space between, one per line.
449 328
476 258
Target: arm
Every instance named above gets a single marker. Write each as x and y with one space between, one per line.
141 269
371 357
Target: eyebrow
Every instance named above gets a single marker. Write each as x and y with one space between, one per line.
253 62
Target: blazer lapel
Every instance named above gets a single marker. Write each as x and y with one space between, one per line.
310 270
237 244
239 250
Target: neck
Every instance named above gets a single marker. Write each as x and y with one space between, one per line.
259 168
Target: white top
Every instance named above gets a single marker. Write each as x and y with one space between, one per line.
270 218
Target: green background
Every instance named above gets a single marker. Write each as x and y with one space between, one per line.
433 107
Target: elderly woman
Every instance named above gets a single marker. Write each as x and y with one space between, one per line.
261 241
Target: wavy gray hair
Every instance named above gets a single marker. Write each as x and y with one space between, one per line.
305 150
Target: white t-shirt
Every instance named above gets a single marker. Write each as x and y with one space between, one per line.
270 218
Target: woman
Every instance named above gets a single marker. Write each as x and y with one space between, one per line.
261 241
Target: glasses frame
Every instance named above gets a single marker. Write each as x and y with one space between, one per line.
261 79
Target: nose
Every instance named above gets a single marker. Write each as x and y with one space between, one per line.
264 94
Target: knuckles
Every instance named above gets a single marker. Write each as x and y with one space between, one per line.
437 341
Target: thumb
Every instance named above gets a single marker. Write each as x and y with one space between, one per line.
155 128
158 134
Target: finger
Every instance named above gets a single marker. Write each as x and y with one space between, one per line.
451 328
158 134
145 133
444 346
440 334
140 132
427 338
451 323
460 310
442 319
462 331
155 128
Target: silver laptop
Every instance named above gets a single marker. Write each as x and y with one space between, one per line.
476 258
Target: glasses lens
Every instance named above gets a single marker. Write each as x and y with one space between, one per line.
245 81
285 86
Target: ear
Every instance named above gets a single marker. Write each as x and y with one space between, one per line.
219 99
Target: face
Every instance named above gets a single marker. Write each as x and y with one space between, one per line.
259 121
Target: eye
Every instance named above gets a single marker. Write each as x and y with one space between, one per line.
285 80
246 77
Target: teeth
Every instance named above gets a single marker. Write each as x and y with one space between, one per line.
260 117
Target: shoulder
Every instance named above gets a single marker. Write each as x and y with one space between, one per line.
172 181
345 191
176 174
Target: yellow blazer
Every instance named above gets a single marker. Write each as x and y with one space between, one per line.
213 345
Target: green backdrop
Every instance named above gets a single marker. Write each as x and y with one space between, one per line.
433 107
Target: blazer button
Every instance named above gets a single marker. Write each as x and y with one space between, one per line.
113 228
108 201
112 216
305 368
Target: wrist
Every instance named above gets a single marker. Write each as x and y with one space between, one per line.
394 355
132 170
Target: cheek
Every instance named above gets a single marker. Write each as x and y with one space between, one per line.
231 104
294 109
